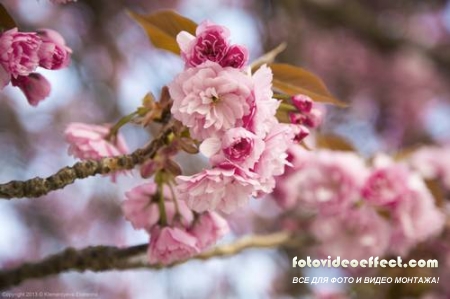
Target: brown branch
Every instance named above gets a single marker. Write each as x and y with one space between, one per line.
105 258
40 186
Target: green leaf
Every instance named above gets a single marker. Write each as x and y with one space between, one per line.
163 26
6 21
295 80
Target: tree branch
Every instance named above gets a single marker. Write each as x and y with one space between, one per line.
40 186
105 258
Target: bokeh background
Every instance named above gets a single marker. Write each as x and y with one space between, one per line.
389 60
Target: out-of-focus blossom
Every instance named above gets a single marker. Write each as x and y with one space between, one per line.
224 188
323 181
53 52
238 146
211 44
89 141
210 99
170 244
403 193
19 52
209 228
35 87
352 234
432 162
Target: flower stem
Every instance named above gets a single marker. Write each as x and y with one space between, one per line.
123 121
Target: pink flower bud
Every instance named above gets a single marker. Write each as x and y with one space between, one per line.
313 118
53 52
19 52
35 87
302 102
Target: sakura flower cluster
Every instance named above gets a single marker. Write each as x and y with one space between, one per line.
181 234
22 52
359 210
232 114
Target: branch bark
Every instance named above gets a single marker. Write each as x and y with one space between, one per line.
106 258
40 186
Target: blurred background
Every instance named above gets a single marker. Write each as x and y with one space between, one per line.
390 60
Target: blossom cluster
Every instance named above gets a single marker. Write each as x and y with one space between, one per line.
232 113
360 210
181 234
22 52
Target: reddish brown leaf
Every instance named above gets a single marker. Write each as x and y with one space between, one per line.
295 80
334 142
163 26
6 21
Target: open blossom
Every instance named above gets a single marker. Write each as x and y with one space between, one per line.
88 142
403 193
138 207
53 52
237 146
274 157
19 52
170 244
209 228
324 181
352 234
211 44
210 99
223 188
35 87
262 118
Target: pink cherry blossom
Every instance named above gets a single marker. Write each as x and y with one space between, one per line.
53 52
88 141
210 99
237 146
324 181
138 207
224 188
35 87
386 185
403 193
170 244
352 234
209 44
262 118
19 52
274 158
209 228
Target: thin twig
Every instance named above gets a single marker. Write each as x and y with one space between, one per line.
105 258
40 186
